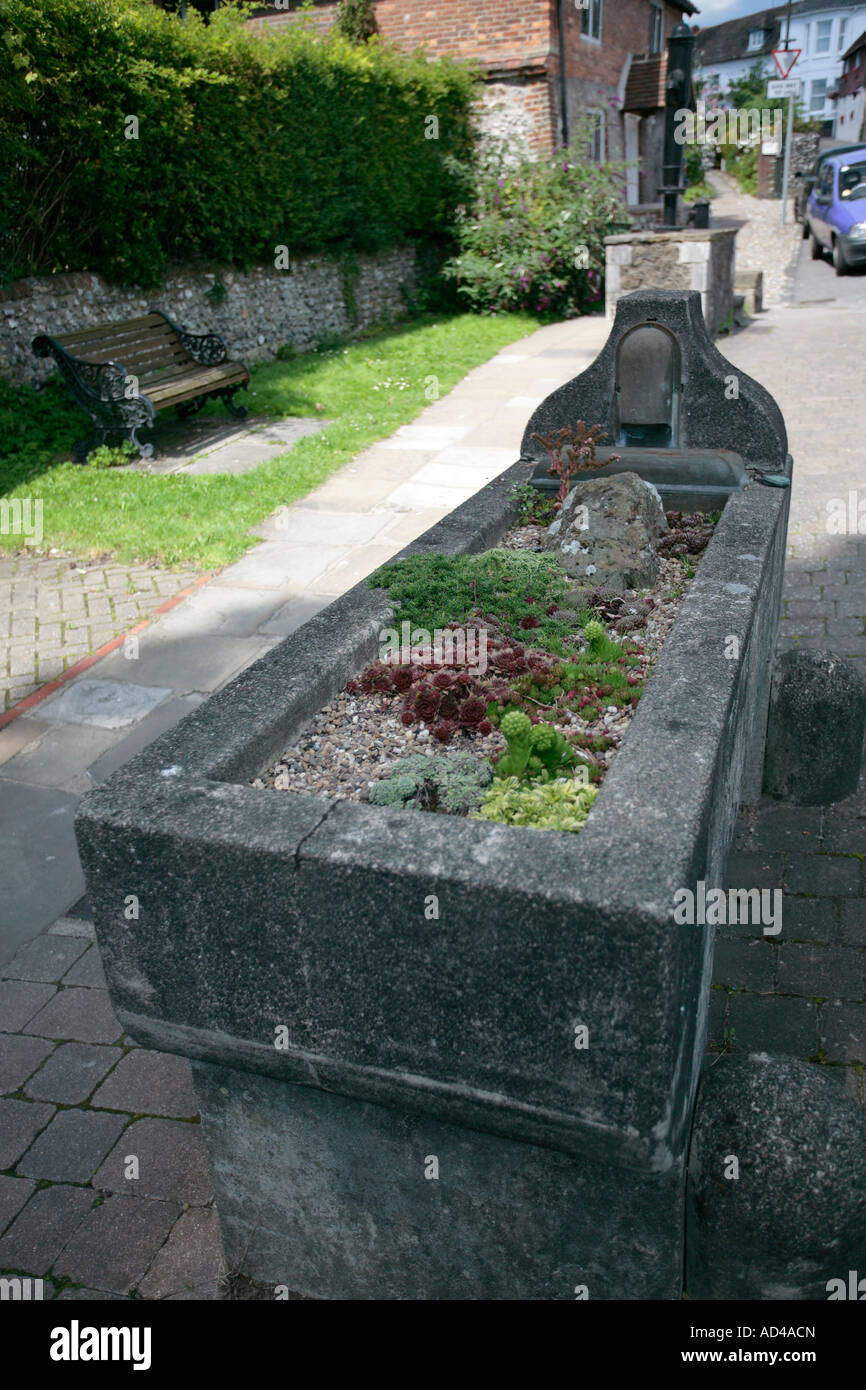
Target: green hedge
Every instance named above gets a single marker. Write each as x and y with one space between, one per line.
244 142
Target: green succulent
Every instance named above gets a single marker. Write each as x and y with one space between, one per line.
562 804
450 782
595 634
543 739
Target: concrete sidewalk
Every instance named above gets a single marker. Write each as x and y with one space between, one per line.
80 1098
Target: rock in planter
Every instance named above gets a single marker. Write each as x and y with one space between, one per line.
787 1222
606 532
815 730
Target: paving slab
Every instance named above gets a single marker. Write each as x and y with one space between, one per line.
414 496
20 1001
357 565
312 526
19 735
87 971
72 1073
189 1265
223 611
172 1162
73 926
46 959
106 703
20 1122
116 1243
425 437
254 448
294 614
183 663
40 1231
72 1146
150 1083
838 875
77 1015
60 755
277 566
19 1058
14 1192
164 717
42 874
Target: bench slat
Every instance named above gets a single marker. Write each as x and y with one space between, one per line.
194 383
109 331
142 360
121 343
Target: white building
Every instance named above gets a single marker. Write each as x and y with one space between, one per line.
822 29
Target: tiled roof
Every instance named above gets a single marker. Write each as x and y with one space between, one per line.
723 42
645 88
858 43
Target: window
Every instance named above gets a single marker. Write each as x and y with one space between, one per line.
841 43
806 39
592 19
656 29
852 179
596 136
822 37
818 95
756 39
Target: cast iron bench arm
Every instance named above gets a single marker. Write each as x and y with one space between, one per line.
207 348
99 388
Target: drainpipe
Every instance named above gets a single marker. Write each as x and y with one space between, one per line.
562 87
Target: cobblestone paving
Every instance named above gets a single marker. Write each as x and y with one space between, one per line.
54 610
803 992
104 1180
763 243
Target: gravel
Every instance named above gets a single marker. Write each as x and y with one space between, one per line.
356 739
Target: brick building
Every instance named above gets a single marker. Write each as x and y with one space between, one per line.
552 67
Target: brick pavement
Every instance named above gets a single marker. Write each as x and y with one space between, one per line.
56 609
104 1180
803 992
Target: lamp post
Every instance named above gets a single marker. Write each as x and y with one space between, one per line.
678 91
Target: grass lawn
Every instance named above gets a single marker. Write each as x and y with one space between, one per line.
368 388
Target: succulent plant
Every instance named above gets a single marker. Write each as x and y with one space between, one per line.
452 782
562 804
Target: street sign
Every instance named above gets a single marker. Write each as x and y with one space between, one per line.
790 87
785 58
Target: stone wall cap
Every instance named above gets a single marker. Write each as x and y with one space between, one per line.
674 234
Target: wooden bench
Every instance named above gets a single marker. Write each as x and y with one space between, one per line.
123 373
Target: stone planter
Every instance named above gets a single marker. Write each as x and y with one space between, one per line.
440 1058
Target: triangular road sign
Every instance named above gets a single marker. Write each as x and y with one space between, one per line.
785 58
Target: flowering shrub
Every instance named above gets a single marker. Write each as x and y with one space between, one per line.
534 238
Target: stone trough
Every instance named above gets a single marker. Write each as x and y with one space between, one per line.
439 1058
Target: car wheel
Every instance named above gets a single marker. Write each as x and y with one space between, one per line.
840 265
817 248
